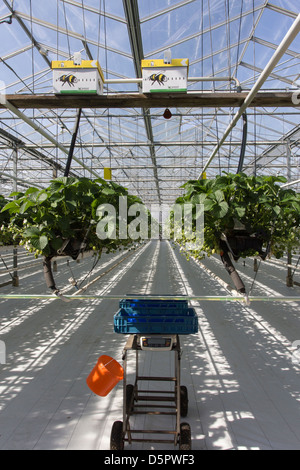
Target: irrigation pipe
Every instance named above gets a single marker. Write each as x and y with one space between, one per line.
290 183
153 297
247 299
217 278
103 274
39 262
283 265
189 79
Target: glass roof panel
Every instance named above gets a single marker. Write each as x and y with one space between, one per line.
226 38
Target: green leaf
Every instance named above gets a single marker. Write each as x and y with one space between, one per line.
108 191
240 211
296 206
56 243
43 196
277 210
16 194
64 223
35 242
198 198
31 190
11 205
66 180
43 242
219 195
32 196
72 205
208 204
25 206
223 209
31 232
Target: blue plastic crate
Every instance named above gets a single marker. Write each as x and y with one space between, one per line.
154 307
126 322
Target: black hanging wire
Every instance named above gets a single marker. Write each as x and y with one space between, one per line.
244 142
79 111
213 74
83 20
296 267
57 32
96 261
48 274
32 49
99 31
226 8
239 36
254 278
106 66
254 62
66 24
14 72
73 141
7 268
244 116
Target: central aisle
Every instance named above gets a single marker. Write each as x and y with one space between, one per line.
243 386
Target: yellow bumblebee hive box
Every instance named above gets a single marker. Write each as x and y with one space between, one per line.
159 76
82 77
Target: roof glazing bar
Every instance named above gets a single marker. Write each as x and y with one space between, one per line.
166 10
284 11
68 32
272 75
15 53
286 41
96 11
207 30
273 46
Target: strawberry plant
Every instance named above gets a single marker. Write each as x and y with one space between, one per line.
61 220
240 206
243 216
58 219
6 237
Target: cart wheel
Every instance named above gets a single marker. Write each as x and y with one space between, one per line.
185 440
116 436
183 401
129 395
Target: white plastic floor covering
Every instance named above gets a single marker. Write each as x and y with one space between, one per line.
243 385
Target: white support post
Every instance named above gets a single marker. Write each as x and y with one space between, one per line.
15 279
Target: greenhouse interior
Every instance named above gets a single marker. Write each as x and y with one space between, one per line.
150 225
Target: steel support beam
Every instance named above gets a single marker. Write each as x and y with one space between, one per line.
41 131
139 100
36 154
21 180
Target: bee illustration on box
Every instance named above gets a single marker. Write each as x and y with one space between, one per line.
70 79
160 78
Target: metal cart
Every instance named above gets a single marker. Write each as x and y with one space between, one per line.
158 402
153 325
